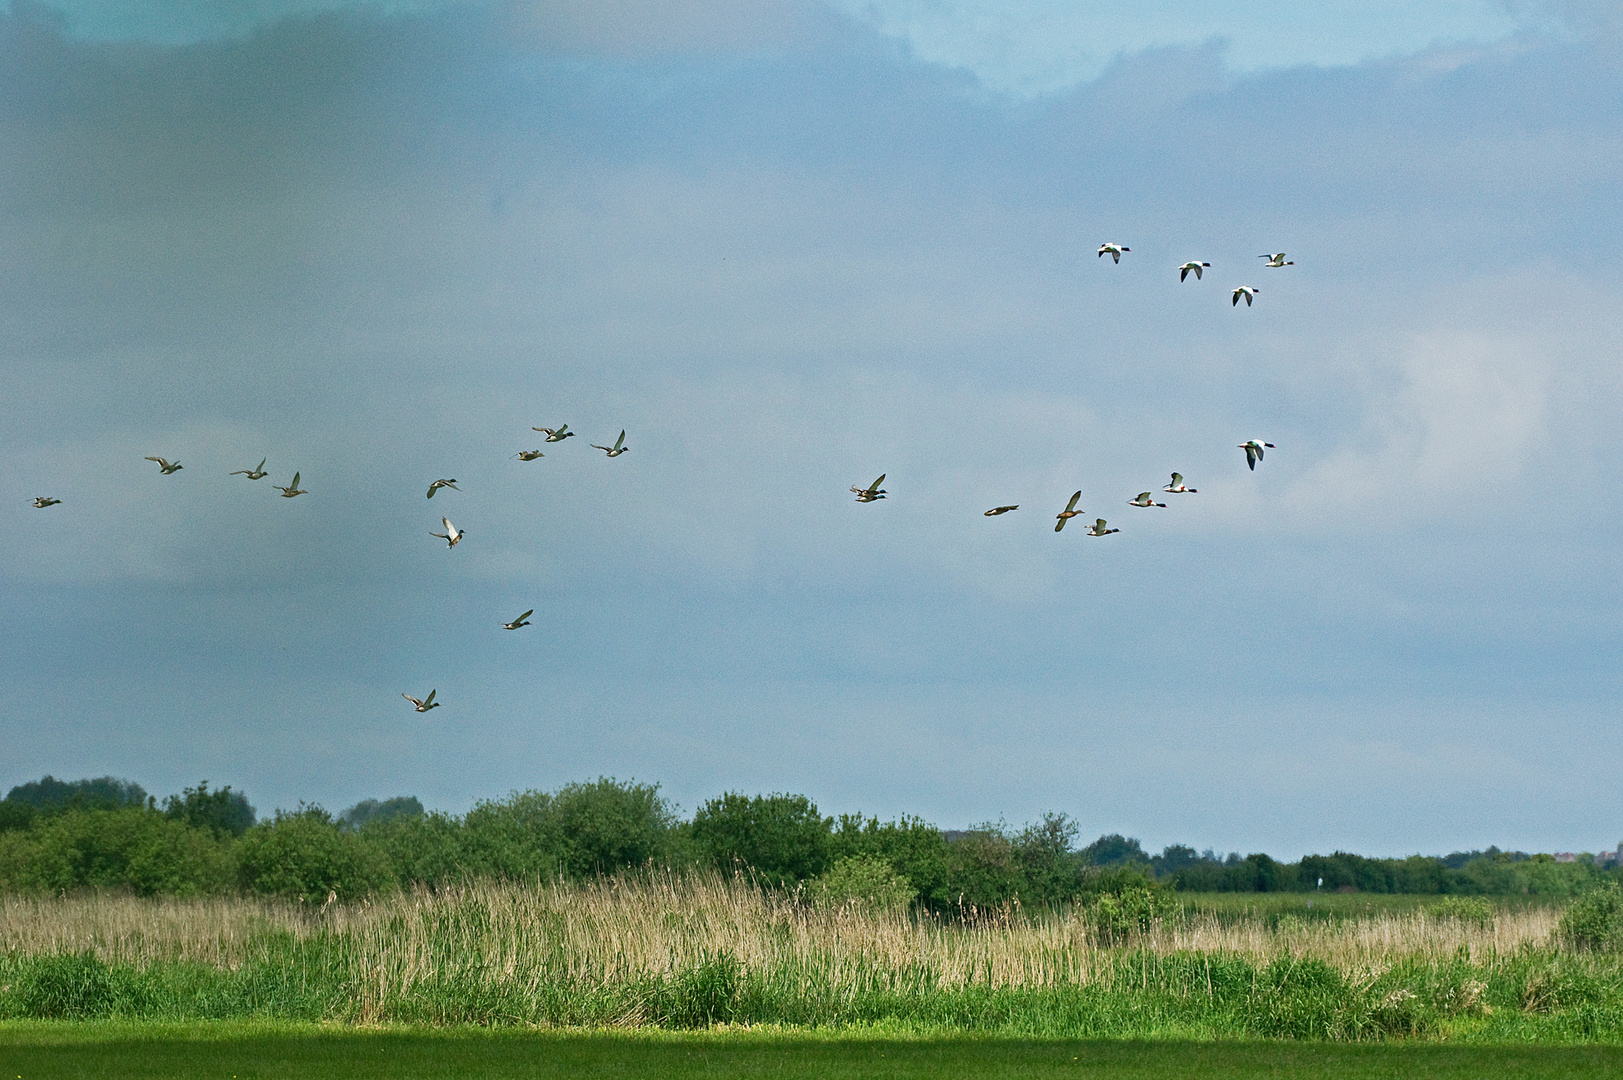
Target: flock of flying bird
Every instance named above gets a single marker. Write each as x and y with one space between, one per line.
1253 447
452 535
872 493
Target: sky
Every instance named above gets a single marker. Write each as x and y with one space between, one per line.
789 245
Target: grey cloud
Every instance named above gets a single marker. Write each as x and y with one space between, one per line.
380 250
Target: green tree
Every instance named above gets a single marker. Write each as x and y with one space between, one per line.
782 838
134 849
374 812
304 854
223 812
53 795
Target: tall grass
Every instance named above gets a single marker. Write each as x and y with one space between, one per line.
697 949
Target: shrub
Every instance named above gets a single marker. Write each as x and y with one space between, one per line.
304 855
607 825
782 838
862 879
1594 921
137 850
1465 909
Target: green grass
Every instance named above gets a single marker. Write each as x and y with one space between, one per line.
256 1052
1310 906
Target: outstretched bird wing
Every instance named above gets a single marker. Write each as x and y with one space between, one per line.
1072 504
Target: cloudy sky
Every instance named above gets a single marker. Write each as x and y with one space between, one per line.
789 245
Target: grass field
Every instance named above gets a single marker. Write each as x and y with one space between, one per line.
251 1052
668 952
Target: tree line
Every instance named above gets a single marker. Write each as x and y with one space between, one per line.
58 836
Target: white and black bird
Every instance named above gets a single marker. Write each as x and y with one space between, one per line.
42 501
1098 528
452 535
557 434
436 485
292 490
1178 487
1247 291
617 449
871 492
256 473
522 620
1113 250
1144 499
1068 513
996 510
167 466
1192 267
425 704
1253 452
530 455
1276 260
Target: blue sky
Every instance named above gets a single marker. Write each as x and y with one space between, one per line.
788 247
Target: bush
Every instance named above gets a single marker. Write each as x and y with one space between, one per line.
1594 921
607 826
1465 909
862 879
782 838
139 850
305 855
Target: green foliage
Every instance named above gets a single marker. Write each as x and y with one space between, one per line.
863 879
1115 849
916 851
1466 909
138 850
606 826
781 838
1594 921
102 793
373 812
304 855
223 812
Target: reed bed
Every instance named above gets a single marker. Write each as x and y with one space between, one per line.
694 949
663 924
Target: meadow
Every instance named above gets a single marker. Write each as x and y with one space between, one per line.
700 950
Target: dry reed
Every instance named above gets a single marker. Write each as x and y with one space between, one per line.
660 925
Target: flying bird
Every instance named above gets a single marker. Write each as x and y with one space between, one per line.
1144 500
1197 267
1178 487
522 620
996 510
425 704
256 473
436 485
451 535
1098 529
1114 250
42 501
166 466
292 489
872 491
1069 512
527 455
1253 452
557 434
1247 291
617 449
1276 260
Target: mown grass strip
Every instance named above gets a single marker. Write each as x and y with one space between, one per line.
260 1052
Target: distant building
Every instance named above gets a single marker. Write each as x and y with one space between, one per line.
1566 856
